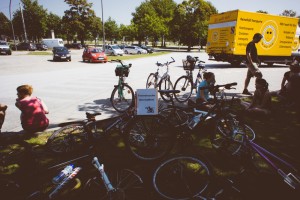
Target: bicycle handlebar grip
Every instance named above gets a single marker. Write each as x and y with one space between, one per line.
96 163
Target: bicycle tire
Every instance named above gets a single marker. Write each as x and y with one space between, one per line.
151 81
181 177
128 185
67 139
150 138
185 85
165 84
230 134
176 117
122 104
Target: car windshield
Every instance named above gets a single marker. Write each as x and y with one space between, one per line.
61 50
3 43
96 50
115 47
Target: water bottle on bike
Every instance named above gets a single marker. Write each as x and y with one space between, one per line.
63 174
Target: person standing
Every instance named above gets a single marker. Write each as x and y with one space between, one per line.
252 62
33 110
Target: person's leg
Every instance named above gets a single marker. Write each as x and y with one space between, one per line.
247 81
2 114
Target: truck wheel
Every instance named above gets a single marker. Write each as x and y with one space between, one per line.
235 63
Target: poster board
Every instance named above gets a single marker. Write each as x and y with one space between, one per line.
146 102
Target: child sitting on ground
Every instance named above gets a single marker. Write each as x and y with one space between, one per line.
34 110
261 102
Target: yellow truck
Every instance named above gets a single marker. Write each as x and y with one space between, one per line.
230 32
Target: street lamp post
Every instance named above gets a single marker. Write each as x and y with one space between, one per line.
103 45
23 23
12 26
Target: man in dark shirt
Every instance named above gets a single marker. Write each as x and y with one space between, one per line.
252 62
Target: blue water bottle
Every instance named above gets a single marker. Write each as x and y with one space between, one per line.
63 174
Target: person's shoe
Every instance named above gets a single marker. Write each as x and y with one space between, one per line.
246 92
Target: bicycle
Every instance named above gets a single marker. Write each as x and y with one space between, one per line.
115 185
186 84
186 119
145 137
190 176
163 82
249 151
122 96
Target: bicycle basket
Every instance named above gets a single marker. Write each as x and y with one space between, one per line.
188 65
122 71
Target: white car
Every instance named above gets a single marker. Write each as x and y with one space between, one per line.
113 50
134 50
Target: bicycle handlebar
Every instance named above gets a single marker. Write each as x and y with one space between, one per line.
121 62
227 86
165 64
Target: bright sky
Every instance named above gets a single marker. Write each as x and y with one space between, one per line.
120 10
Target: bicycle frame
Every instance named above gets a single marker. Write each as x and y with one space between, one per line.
289 178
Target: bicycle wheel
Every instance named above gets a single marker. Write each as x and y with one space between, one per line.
165 84
185 85
151 81
67 139
230 134
150 138
122 98
181 177
127 184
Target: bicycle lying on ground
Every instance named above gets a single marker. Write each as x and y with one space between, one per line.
145 136
118 184
249 152
163 82
186 84
122 96
184 120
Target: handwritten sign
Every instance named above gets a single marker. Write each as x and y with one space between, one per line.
147 102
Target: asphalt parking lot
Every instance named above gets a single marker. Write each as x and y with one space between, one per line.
71 88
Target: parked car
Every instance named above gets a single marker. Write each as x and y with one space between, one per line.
61 53
134 50
41 47
148 49
92 54
28 46
74 46
4 48
113 50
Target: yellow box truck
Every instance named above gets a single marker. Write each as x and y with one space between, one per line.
230 32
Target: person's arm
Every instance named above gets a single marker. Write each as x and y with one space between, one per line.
283 82
202 96
17 104
44 107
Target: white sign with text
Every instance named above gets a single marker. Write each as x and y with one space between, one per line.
147 102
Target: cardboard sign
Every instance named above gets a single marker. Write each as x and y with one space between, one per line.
146 102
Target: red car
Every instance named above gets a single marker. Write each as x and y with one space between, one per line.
94 55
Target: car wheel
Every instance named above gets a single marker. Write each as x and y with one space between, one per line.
138 52
126 52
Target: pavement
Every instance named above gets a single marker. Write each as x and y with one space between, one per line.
71 88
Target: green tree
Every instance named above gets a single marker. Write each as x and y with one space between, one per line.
111 30
78 20
152 18
262 11
5 26
35 17
127 33
54 22
190 23
289 13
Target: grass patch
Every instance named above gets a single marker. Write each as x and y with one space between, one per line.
128 57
